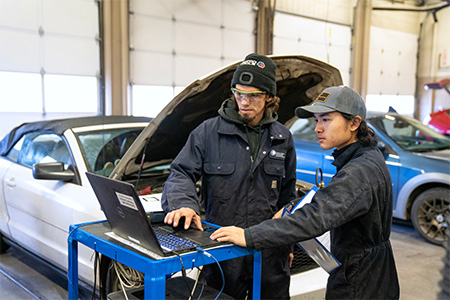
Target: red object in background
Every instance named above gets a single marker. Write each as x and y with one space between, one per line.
440 120
146 191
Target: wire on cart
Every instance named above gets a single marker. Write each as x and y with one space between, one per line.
128 278
201 291
201 250
183 272
196 281
120 281
96 261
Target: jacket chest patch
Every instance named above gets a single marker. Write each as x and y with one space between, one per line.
275 154
274 184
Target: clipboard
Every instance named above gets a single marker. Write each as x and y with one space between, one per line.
317 248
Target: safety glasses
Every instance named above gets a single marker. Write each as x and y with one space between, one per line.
252 97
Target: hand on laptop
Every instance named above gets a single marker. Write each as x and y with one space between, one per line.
232 234
173 218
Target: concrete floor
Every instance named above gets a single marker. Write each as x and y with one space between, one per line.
23 276
419 264
419 267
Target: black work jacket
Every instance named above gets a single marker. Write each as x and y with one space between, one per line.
235 189
356 207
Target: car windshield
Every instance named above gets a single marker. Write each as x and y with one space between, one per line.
303 129
102 149
410 134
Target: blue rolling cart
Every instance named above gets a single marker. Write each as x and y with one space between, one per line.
93 235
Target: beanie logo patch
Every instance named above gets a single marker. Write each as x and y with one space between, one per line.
246 78
322 97
252 62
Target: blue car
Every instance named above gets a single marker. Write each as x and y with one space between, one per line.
418 159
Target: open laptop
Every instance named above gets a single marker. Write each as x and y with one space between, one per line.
129 221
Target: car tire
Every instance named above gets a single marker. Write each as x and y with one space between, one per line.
429 212
3 246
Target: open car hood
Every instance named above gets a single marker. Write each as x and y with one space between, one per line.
300 79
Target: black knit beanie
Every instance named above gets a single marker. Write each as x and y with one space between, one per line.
258 71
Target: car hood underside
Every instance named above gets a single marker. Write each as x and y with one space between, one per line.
299 80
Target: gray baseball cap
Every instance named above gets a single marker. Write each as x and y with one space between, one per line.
336 98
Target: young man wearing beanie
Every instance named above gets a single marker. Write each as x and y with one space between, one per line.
246 162
356 206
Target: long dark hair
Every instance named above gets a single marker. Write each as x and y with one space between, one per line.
365 134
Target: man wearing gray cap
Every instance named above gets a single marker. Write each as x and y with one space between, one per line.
356 206
246 162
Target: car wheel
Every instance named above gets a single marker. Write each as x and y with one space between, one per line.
3 246
429 212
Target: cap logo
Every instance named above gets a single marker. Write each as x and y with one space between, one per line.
322 97
252 62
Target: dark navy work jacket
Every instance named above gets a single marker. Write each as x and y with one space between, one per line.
236 189
356 207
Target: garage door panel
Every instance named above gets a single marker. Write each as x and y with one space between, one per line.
65 17
188 68
339 35
17 98
282 45
392 62
152 68
156 8
292 26
244 39
237 14
19 14
340 58
200 12
313 50
287 26
141 38
198 39
65 55
19 51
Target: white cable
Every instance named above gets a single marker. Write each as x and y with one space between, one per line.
132 277
120 280
196 281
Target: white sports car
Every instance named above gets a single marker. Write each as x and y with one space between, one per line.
36 205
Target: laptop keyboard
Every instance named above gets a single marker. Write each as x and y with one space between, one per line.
170 242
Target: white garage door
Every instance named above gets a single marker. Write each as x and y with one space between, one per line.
49 56
322 40
392 71
173 42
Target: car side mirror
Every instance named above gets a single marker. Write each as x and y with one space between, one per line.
52 171
382 146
